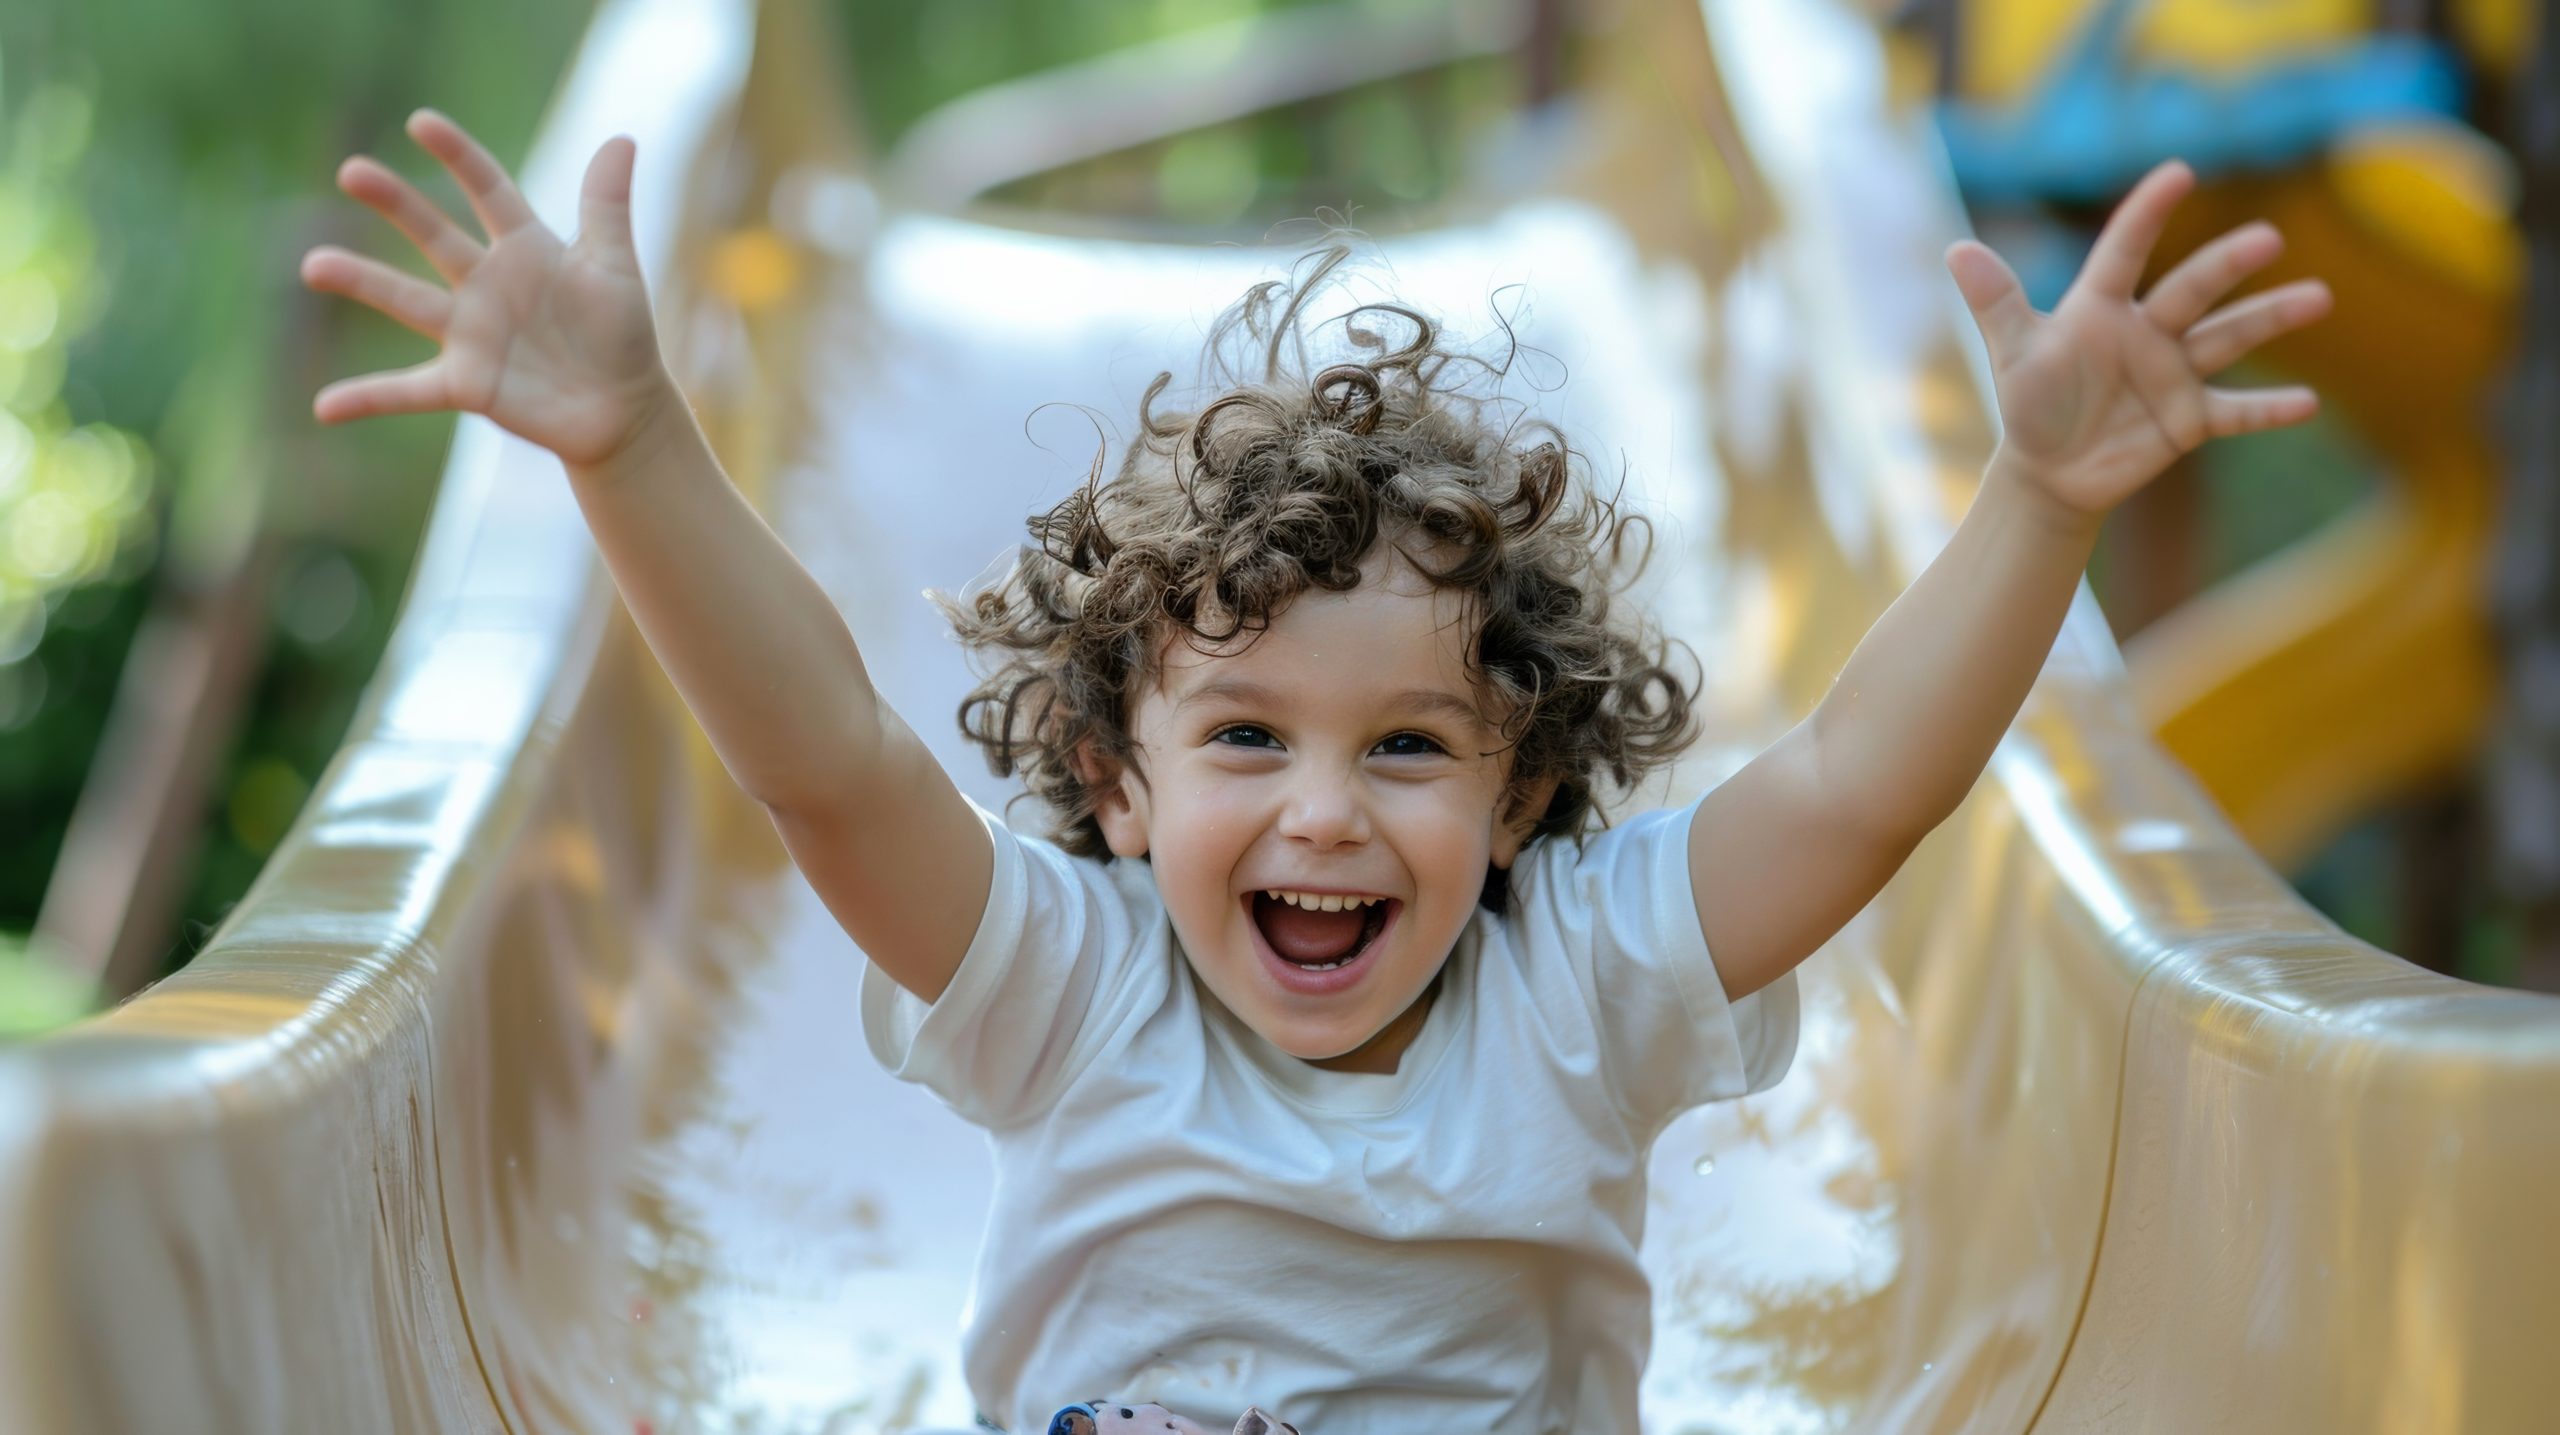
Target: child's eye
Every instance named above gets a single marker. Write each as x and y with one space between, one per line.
1410 744
1245 735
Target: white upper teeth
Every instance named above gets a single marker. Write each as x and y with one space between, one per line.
1322 901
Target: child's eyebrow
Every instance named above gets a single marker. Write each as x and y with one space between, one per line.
1234 690
1436 702
1423 701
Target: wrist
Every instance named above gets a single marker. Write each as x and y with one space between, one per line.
661 419
2015 484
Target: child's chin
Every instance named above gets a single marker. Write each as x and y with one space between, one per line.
1309 1041
1322 1048
1312 1041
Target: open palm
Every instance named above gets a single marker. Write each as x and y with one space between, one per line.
551 341
2097 397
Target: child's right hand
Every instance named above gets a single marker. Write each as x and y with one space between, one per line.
551 341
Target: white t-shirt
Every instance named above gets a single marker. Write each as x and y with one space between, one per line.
1185 1213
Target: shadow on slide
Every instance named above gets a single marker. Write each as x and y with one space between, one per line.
524 1092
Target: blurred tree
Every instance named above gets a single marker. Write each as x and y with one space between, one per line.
1390 143
75 500
213 133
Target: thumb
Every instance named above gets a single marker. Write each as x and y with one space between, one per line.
604 201
1992 291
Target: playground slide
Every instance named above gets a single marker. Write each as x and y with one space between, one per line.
523 1091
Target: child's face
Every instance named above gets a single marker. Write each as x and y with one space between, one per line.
1343 752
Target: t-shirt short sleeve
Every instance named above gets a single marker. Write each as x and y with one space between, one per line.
1619 910
1059 961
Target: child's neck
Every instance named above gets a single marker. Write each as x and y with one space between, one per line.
1379 1055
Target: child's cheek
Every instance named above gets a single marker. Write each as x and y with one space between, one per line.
1201 834
1450 826
1218 815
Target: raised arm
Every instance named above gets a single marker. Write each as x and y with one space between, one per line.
555 343
2096 399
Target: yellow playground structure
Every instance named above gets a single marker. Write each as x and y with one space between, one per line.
2355 666
522 1093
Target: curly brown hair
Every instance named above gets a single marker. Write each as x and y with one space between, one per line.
1220 516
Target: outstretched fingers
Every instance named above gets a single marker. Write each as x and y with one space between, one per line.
414 302
2239 411
418 389
2202 278
2223 337
2124 246
447 248
492 195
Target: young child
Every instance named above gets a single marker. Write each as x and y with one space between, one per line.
1322 1043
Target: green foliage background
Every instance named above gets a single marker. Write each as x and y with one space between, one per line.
212 133
1394 142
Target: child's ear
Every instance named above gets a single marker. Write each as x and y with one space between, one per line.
1520 817
1117 800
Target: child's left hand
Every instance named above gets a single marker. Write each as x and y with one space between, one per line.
2097 397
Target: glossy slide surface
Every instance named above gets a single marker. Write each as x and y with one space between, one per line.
524 1092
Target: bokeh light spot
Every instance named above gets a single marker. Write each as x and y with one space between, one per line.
754 269
46 536
1208 178
263 803
29 310
320 601
17 453
21 625
35 378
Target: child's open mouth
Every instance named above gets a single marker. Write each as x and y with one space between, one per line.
1315 951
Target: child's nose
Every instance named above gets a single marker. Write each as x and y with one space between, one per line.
1325 812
